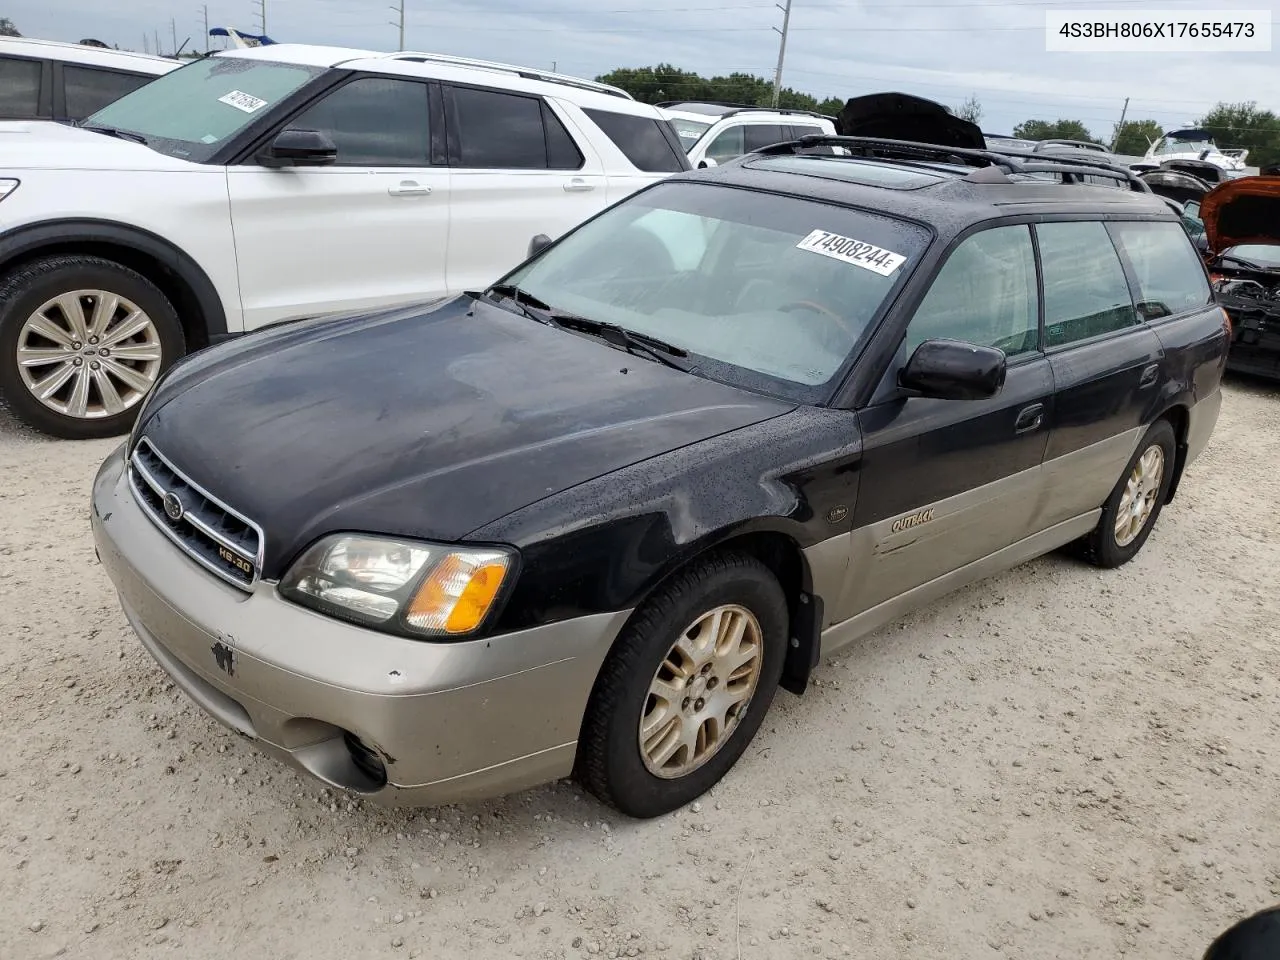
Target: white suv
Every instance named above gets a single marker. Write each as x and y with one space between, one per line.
46 80
712 133
279 183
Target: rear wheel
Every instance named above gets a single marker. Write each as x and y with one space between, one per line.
82 341
685 688
1130 513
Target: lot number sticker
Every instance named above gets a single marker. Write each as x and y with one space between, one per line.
859 253
242 101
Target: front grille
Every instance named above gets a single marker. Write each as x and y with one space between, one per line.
206 529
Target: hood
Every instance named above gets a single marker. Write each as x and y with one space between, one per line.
1246 210
45 145
900 116
423 423
1174 185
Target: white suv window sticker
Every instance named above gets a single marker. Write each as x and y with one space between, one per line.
858 252
242 101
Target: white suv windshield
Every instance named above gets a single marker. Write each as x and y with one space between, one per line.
689 131
769 292
192 111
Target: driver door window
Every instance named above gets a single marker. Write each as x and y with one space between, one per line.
985 294
727 145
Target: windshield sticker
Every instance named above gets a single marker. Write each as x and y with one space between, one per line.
243 101
859 253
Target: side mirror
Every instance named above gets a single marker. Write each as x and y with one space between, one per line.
538 244
1252 938
954 370
707 162
299 148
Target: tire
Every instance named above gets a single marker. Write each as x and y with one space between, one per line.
1103 547
610 762
88 403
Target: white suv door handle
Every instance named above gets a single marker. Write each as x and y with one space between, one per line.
578 185
408 188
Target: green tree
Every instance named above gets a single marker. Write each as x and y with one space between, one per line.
7 29
970 110
1054 130
1244 125
1134 136
666 81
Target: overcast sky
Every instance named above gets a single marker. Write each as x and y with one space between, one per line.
942 49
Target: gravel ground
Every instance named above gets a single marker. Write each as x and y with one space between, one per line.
1057 762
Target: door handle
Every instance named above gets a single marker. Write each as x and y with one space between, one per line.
1149 376
408 188
578 185
1029 418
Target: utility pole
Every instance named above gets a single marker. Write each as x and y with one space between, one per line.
205 10
782 49
1120 126
400 23
173 29
146 44
157 33
262 16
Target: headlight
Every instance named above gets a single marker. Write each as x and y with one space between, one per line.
7 187
403 586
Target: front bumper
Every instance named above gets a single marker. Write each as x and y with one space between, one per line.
445 721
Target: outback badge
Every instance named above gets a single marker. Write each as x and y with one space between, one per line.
914 520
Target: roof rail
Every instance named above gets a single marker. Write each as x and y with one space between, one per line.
1071 168
545 76
736 108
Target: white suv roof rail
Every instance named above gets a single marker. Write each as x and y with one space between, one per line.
491 65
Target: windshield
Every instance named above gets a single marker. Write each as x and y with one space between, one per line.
193 110
767 292
689 131
1265 255
1177 145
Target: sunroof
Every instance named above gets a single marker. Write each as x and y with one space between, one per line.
867 172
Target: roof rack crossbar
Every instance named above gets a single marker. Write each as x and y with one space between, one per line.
544 75
1008 161
735 108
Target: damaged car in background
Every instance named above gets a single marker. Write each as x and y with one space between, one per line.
1242 230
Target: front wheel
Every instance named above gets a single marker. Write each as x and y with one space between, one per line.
685 688
1131 511
82 341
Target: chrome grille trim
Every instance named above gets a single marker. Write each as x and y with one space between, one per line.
206 525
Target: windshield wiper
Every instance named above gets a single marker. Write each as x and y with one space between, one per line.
526 303
1247 263
117 133
639 344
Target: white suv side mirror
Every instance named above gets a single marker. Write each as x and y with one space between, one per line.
706 162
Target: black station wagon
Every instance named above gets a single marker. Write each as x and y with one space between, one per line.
589 520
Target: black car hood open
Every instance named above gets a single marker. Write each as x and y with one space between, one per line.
900 116
422 423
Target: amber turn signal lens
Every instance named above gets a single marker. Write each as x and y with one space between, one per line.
458 593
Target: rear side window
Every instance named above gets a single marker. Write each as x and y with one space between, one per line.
375 122
1166 268
504 131
640 139
1085 290
89 90
759 135
19 88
